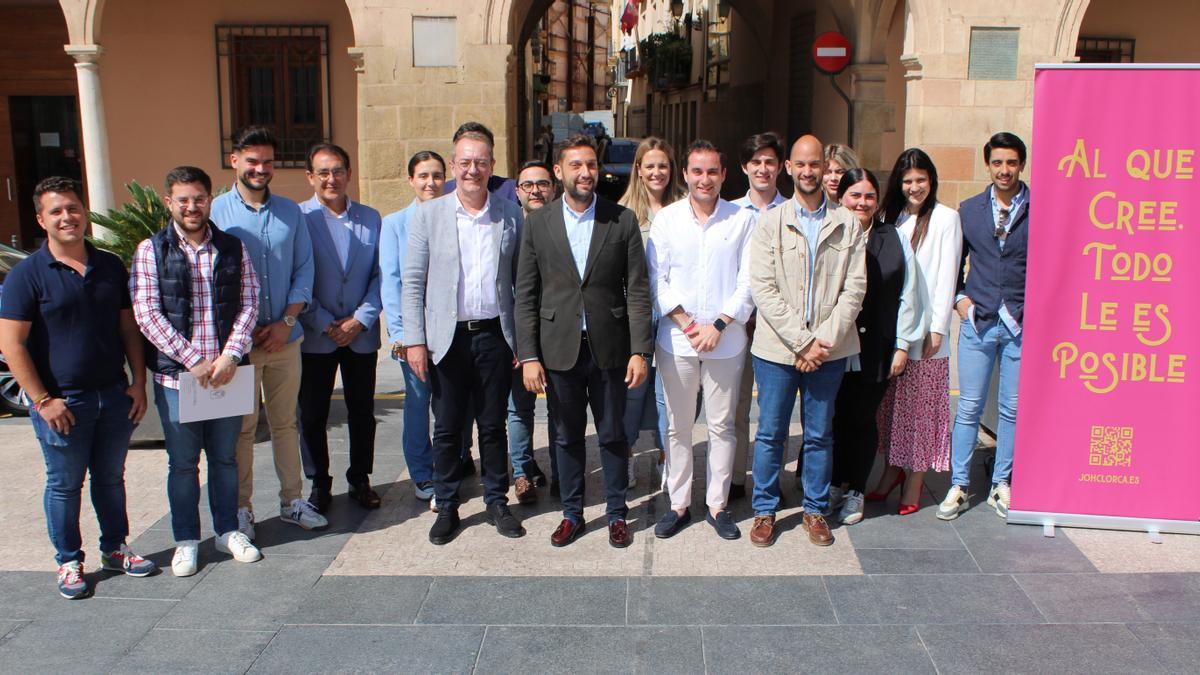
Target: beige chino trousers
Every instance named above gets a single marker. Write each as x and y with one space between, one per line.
277 378
683 377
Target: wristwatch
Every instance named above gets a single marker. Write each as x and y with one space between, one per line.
289 320
719 324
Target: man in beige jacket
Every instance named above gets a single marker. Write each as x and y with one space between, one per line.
808 276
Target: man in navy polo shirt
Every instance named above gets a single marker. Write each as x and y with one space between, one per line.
66 329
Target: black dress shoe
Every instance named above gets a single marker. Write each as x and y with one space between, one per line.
671 523
736 491
321 496
724 525
506 523
536 475
619 535
365 495
445 527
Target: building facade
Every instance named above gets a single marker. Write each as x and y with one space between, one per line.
122 90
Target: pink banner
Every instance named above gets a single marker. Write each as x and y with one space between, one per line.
1112 315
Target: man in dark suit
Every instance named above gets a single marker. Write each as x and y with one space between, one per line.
583 328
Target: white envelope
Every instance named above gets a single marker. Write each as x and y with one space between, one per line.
235 399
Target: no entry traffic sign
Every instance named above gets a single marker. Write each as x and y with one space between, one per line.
831 52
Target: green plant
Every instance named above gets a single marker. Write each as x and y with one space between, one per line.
668 57
136 220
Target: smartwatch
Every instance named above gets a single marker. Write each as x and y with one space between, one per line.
720 324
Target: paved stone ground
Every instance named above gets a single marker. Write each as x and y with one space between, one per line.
893 594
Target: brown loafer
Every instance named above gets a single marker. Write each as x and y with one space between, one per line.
619 535
525 492
365 495
817 529
762 533
567 532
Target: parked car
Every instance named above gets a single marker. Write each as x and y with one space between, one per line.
12 396
616 166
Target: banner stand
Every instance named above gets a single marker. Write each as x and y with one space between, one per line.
1152 526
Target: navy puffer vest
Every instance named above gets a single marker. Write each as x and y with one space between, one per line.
175 289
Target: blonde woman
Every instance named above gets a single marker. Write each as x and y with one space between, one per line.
654 183
838 160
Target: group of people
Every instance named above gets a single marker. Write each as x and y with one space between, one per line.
498 290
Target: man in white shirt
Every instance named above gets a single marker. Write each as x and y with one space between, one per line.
458 328
699 279
762 157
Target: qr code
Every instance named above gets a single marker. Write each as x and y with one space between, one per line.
1111 446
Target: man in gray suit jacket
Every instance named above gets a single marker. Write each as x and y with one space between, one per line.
341 326
583 317
458 328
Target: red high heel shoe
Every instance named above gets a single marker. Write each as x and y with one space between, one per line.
909 509
881 496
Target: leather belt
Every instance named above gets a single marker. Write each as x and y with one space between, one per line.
479 324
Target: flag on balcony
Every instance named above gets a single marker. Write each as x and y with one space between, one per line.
629 17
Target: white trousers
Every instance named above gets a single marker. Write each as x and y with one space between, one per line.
683 377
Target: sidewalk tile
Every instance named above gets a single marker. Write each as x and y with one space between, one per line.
529 649
361 600
1000 547
385 649
692 601
916 561
1176 646
886 529
254 596
1059 648
194 651
88 636
1115 597
815 649
932 598
592 601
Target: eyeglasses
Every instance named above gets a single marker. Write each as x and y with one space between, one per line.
466 164
199 202
326 174
529 185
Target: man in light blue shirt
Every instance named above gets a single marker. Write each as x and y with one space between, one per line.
762 157
273 230
341 326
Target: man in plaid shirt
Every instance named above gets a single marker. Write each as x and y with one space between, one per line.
195 298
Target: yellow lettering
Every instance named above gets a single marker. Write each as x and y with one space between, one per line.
1078 157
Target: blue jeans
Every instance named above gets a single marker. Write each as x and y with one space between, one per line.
418 447
97 444
637 410
777 386
184 441
977 354
521 404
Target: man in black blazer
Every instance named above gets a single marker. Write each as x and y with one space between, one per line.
583 328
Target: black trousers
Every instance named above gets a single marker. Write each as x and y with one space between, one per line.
570 393
473 379
316 388
855 431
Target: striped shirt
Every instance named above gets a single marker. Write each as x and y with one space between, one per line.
147 307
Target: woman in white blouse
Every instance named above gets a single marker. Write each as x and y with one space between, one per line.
914 419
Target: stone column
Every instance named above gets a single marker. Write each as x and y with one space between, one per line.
94 131
873 115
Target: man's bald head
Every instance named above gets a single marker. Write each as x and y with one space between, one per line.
807 166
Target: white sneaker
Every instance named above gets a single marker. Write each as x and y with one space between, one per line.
852 508
433 505
238 545
999 498
303 514
836 496
954 503
246 522
183 563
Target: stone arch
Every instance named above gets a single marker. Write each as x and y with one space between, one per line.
1070 19
83 20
